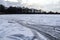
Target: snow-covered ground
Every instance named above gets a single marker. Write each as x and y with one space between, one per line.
49 24
9 30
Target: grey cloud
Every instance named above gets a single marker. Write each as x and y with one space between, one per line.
50 7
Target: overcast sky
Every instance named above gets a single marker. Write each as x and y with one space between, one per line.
47 5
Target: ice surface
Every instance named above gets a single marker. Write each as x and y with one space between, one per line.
9 30
49 24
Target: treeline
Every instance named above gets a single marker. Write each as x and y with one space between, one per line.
22 10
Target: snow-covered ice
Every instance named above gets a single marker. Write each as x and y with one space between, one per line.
11 29
13 25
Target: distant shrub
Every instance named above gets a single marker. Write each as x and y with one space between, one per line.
2 8
23 10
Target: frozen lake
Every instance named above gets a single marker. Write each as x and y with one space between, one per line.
49 24
38 19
